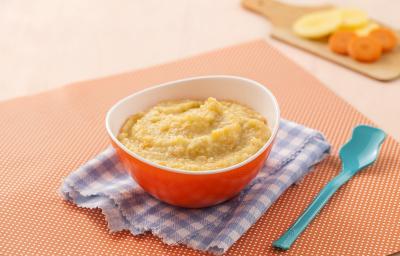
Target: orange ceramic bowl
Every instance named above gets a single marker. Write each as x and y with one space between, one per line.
194 189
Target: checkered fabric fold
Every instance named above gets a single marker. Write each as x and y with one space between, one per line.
103 183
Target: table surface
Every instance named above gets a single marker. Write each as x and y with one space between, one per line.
47 43
361 219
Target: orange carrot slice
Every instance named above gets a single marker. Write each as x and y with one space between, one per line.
339 41
365 49
386 37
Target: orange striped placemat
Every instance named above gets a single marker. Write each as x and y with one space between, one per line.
44 137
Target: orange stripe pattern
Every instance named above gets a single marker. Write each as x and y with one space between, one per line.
44 137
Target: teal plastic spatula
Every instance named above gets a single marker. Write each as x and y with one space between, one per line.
359 152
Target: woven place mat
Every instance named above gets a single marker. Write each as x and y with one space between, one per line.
45 137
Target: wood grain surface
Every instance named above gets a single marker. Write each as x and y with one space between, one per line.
284 15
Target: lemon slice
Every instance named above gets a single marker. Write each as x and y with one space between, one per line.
353 18
365 30
318 24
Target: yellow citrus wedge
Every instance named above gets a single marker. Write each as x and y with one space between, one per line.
366 29
353 18
318 24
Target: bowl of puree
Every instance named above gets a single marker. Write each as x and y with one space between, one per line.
195 142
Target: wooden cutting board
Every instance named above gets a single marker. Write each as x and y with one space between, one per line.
282 16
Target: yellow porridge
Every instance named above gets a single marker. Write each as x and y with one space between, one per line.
195 135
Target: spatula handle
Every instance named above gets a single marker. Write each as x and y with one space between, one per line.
288 238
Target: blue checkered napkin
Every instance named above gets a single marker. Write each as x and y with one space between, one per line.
103 183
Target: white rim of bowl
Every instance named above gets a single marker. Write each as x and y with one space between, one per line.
202 172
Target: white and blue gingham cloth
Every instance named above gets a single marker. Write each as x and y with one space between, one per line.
103 183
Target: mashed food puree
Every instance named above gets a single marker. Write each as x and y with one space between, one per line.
195 135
